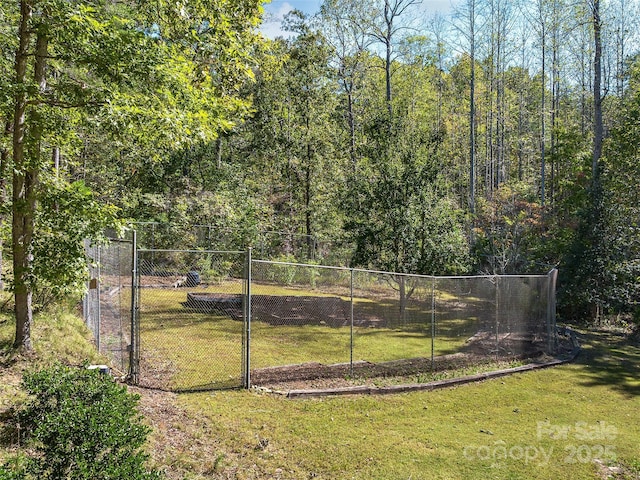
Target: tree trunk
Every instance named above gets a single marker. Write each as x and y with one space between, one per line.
388 17
307 213
352 129
472 109
4 165
403 298
26 164
543 117
598 130
555 97
218 151
22 293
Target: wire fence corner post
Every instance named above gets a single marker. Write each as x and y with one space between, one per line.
134 347
498 300
551 310
247 320
98 286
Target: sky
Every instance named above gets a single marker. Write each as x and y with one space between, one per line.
277 9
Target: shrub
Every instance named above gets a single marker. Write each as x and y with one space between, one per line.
80 425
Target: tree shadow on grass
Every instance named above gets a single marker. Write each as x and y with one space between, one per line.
8 354
610 359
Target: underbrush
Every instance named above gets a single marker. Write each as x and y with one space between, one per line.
76 424
59 419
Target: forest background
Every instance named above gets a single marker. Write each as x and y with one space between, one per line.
502 138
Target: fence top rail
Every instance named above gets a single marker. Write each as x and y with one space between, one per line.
414 275
292 264
120 240
227 229
227 252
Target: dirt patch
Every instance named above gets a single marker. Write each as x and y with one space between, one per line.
180 444
283 309
313 375
413 370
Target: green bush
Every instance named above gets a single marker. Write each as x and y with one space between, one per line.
79 425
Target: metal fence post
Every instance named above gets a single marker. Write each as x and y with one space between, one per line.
134 348
351 327
497 313
98 286
247 320
433 322
551 309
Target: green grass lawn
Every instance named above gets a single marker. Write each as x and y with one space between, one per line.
205 350
568 422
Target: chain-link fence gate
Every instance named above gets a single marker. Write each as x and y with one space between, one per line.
189 321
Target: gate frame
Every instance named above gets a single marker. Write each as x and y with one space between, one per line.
134 348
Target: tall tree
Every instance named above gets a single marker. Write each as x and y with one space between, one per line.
103 59
294 139
500 23
598 128
344 26
25 174
437 28
467 16
541 20
386 29
624 23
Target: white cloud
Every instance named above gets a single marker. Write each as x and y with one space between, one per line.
272 20
440 6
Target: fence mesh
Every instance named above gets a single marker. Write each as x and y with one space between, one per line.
300 314
107 304
192 309
491 317
267 244
311 321
191 319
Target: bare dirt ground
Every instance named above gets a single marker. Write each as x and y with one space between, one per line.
177 434
402 372
474 359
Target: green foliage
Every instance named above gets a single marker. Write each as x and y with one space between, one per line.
79 425
144 79
509 229
179 113
402 224
289 147
69 215
289 272
603 274
215 269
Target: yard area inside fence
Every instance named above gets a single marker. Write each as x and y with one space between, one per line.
311 326
196 320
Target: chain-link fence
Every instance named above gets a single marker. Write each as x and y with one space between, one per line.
266 245
217 319
107 303
310 321
190 319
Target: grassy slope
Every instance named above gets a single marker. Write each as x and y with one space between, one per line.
57 335
237 434
446 434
